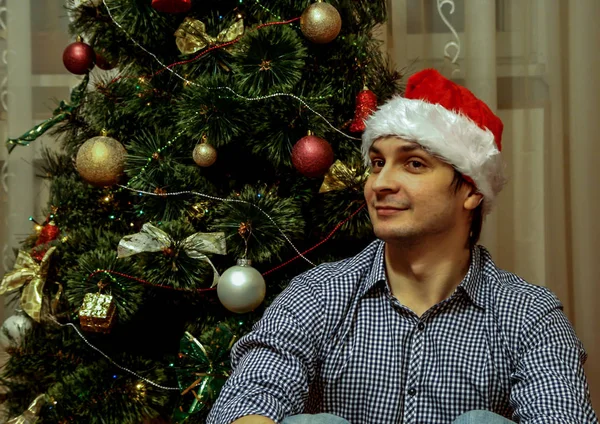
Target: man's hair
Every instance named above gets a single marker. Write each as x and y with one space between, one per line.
476 215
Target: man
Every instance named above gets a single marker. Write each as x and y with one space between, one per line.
420 327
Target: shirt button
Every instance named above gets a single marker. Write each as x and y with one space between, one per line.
412 391
421 326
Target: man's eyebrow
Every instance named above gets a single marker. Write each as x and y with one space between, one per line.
404 148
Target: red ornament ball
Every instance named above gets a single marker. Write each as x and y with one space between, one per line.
102 63
366 103
172 6
49 232
79 58
312 156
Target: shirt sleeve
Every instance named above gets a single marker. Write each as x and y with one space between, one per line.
549 384
274 364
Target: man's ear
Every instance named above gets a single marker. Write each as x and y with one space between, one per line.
473 199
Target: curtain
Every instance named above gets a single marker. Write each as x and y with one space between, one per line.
535 62
33 35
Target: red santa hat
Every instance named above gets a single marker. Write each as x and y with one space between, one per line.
448 121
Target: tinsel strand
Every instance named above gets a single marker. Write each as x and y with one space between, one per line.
69 324
179 193
337 227
227 88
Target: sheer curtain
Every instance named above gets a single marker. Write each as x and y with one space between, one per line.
33 35
536 63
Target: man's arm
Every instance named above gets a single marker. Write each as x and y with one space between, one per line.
549 385
274 364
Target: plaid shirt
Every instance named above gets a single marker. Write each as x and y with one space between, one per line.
337 341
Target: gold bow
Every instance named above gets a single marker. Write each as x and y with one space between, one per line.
341 177
153 239
191 35
28 271
30 416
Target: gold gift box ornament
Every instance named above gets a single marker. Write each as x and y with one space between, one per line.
98 313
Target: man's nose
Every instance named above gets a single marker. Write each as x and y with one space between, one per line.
384 181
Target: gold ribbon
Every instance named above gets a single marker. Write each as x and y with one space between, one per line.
153 239
54 304
191 35
30 416
341 177
28 271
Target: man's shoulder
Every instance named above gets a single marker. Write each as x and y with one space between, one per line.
509 290
518 287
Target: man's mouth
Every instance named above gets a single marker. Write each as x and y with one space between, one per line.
389 210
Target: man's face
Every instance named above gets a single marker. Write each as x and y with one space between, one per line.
409 192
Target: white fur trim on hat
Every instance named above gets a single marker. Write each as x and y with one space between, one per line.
452 137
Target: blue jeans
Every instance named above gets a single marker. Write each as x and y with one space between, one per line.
471 417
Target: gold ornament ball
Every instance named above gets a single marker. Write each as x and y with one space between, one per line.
204 154
100 161
320 23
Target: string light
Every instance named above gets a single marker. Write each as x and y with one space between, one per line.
266 9
34 221
259 98
252 99
69 324
109 273
155 156
179 193
337 227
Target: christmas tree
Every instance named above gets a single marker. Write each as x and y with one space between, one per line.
210 153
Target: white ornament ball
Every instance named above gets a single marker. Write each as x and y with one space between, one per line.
16 326
241 288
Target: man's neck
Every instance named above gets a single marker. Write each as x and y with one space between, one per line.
420 275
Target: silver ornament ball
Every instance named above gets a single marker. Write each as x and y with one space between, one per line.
241 288
13 330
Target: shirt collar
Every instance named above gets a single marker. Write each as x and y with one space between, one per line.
472 284
377 271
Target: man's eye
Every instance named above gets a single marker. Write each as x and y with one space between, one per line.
376 163
416 164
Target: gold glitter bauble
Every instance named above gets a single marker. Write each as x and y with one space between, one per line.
100 161
204 154
320 23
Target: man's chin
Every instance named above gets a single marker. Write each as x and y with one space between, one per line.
393 234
